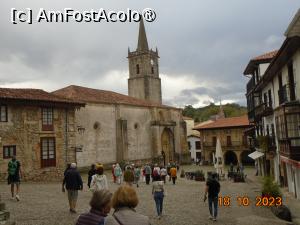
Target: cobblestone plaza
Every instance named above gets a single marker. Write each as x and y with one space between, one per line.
45 204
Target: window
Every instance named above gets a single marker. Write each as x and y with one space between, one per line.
9 151
189 144
47 119
270 98
198 145
137 69
229 141
291 82
214 140
3 113
48 152
152 70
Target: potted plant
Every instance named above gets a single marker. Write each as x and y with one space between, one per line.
199 175
182 173
270 188
239 177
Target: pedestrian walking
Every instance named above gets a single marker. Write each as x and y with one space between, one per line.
99 180
113 173
118 173
158 194
129 176
72 182
212 189
256 168
137 175
14 177
100 207
168 171
91 173
173 173
147 173
241 168
163 174
124 201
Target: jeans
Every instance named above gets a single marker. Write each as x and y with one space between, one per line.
213 206
159 198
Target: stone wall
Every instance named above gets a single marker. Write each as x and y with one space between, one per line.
24 130
126 133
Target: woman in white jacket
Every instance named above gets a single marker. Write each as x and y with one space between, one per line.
99 180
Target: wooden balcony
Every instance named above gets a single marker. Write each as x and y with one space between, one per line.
291 152
264 109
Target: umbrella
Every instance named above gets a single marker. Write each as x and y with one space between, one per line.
219 157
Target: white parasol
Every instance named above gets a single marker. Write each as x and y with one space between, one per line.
219 158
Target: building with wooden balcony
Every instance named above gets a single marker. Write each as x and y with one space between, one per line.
230 131
274 108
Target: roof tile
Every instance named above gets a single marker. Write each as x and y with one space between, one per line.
224 123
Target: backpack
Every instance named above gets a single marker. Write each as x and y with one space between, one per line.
155 173
12 167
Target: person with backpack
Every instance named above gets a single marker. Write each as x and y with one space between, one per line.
173 173
99 180
212 189
14 175
118 173
137 175
148 171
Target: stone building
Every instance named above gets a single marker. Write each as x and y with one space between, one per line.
39 128
234 143
114 127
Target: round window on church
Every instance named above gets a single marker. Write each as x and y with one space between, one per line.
136 126
97 126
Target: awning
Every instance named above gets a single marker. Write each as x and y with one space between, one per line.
256 155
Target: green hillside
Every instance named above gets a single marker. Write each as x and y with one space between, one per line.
204 113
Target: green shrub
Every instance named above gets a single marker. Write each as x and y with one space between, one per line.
271 188
199 173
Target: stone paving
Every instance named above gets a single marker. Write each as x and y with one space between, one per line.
45 204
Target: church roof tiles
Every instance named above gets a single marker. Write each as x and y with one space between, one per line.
90 95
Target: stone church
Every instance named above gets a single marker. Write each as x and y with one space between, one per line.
113 127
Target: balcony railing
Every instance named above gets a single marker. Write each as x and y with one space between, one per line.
292 152
264 109
225 144
266 143
282 95
250 84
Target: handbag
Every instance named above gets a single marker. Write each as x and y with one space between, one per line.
117 219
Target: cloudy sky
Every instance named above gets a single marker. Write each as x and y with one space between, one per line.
204 46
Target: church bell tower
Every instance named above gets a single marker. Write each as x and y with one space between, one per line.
144 82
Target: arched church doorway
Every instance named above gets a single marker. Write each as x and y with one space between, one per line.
167 145
245 159
230 157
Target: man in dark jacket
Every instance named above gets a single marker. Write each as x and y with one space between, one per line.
213 189
73 183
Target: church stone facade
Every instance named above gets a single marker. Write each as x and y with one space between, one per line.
137 128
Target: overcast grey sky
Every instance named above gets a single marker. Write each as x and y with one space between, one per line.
204 46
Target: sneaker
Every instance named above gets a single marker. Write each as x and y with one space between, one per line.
210 217
214 219
18 197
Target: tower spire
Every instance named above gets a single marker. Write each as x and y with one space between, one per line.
142 41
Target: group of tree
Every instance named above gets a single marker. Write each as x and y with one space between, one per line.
205 113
